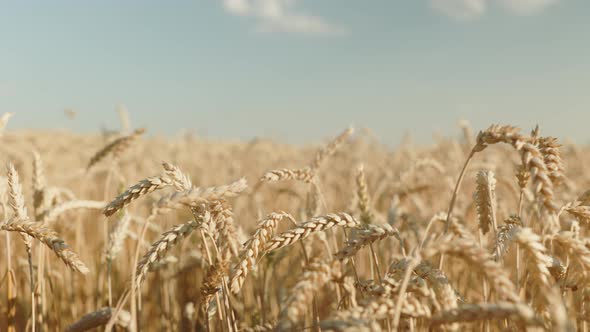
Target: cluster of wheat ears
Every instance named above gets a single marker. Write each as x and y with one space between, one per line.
349 236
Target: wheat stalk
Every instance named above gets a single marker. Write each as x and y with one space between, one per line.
50 239
364 202
213 280
485 200
578 252
39 185
549 148
4 120
331 148
578 210
478 259
382 308
141 188
533 160
117 236
487 311
159 248
284 174
314 225
314 277
99 318
440 284
116 148
366 237
253 247
539 261
17 201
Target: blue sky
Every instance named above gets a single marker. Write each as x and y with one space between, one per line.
298 70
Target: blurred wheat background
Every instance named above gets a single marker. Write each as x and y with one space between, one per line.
346 234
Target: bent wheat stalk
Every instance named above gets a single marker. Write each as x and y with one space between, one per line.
366 237
254 247
487 311
116 148
314 225
99 318
159 249
50 239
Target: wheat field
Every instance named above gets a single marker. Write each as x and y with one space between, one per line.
485 231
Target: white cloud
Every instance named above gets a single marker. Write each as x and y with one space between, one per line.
526 7
237 7
466 10
460 9
278 16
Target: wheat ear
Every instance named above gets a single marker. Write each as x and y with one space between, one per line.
99 318
473 255
253 247
116 148
485 200
159 248
366 237
487 311
142 188
331 148
284 174
314 277
50 239
314 225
